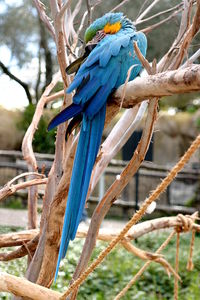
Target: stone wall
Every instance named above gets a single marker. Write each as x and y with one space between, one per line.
173 135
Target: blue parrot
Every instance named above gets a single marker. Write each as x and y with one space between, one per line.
109 54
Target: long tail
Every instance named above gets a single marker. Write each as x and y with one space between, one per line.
87 149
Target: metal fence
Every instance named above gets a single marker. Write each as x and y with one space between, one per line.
177 198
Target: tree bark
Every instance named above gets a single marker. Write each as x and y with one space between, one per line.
168 83
24 288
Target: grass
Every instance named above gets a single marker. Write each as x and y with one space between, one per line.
120 266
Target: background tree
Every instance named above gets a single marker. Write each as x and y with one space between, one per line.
28 41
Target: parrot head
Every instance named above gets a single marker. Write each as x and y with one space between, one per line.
110 23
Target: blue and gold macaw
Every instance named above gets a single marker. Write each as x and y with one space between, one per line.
102 69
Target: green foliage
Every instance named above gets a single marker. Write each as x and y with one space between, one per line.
44 141
13 203
185 102
120 266
19 30
198 123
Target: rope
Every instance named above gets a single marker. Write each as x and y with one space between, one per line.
186 223
190 264
176 266
136 217
145 266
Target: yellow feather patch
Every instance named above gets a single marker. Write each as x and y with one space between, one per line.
112 28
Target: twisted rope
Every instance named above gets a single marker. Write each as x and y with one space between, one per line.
176 266
186 224
190 264
145 266
136 217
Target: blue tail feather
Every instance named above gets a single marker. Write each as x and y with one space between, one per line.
87 149
93 147
66 114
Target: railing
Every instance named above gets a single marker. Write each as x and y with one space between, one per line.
148 174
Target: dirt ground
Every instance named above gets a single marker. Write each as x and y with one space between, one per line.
19 218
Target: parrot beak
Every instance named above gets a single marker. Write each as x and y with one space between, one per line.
73 67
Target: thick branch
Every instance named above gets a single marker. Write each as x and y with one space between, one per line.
17 238
25 288
26 248
31 237
183 80
163 84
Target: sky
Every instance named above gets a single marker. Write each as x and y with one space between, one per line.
12 95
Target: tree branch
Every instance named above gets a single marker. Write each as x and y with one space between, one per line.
11 189
163 84
43 16
31 237
25 288
17 238
22 83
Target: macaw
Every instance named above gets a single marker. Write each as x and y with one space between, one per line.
102 69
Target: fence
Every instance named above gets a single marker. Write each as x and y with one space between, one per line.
177 198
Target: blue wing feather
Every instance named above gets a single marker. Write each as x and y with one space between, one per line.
76 82
87 91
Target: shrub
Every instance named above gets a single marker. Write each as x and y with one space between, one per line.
43 140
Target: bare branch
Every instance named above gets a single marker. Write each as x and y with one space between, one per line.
140 272
174 57
27 248
119 5
43 16
150 256
159 85
154 26
82 22
22 287
180 5
64 8
16 238
28 138
89 12
185 19
147 10
24 175
22 83
55 96
192 59
60 44
31 237
11 189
